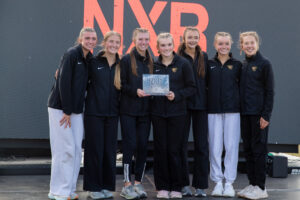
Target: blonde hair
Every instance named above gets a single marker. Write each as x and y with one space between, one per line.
83 30
248 33
182 47
222 34
132 57
117 77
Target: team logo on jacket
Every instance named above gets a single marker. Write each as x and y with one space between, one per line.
254 68
174 69
230 67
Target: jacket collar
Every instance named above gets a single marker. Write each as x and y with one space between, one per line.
254 57
101 57
217 59
139 56
79 50
176 57
188 56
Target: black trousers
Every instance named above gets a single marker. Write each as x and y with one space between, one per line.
168 140
255 143
135 135
201 159
100 153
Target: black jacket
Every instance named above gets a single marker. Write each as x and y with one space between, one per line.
223 85
257 87
199 100
68 92
131 104
182 83
102 96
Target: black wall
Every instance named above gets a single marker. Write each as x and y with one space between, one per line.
34 34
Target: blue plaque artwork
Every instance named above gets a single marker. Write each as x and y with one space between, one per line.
156 84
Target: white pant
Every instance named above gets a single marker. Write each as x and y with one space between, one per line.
66 152
223 128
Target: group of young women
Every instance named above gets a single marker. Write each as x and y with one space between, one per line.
215 95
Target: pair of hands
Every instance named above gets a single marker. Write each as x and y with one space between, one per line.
141 93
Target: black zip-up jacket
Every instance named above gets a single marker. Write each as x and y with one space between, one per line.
182 83
257 87
102 96
199 100
68 92
130 103
223 85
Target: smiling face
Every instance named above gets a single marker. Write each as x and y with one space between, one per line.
88 40
222 45
112 44
191 39
165 46
249 45
141 41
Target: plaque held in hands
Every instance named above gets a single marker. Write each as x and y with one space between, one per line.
156 84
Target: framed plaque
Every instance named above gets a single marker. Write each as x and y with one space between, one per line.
156 84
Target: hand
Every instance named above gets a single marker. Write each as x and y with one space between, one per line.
263 123
171 96
141 93
66 119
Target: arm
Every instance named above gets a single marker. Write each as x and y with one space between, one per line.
125 75
268 91
189 83
66 70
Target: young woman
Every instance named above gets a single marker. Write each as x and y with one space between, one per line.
257 96
134 112
101 119
65 107
223 75
197 106
168 118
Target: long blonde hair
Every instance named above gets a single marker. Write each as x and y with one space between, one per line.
132 57
182 47
117 77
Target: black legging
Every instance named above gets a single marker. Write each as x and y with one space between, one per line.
135 134
201 159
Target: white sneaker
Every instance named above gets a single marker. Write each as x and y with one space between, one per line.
245 190
228 190
256 193
218 190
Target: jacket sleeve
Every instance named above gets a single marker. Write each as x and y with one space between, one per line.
268 91
127 88
65 82
189 83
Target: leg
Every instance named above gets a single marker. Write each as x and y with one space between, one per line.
161 171
259 149
62 150
231 143
142 135
246 132
110 147
93 153
175 137
215 130
184 151
128 127
201 164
